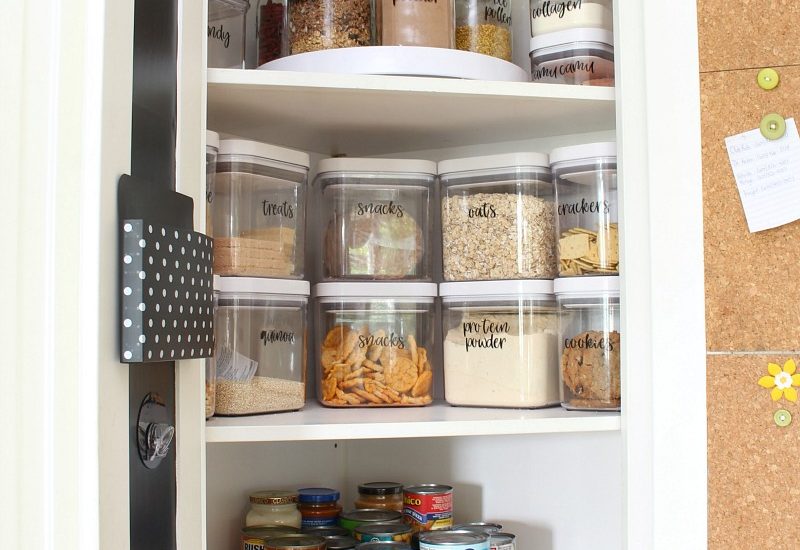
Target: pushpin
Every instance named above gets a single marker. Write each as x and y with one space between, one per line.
773 126
768 78
782 418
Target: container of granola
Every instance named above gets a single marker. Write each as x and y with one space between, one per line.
259 210
588 230
260 355
314 25
375 218
589 339
498 218
374 344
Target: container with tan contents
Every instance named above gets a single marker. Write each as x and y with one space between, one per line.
416 23
259 210
260 354
380 495
484 26
374 344
589 332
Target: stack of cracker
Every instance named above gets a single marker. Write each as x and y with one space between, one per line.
257 253
585 252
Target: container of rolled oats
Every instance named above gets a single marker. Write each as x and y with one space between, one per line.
498 218
374 344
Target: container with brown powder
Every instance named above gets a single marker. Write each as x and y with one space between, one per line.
416 23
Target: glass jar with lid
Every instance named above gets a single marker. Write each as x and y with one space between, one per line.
226 33
319 506
589 336
484 26
273 508
259 210
415 23
375 217
314 25
586 180
548 16
575 56
380 495
498 218
500 343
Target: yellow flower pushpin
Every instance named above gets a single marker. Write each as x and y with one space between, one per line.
781 380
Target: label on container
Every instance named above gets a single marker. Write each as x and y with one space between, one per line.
220 35
559 15
428 512
390 208
319 522
273 336
284 209
234 366
484 334
498 11
485 210
379 339
501 546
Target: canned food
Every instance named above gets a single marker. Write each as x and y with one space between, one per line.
351 520
253 538
502 541
377 532
453 540
428 507
343 542
297 541
479 527
383 546
326 531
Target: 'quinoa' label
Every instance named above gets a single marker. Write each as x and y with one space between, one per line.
286 209
388 209
488 331
280 336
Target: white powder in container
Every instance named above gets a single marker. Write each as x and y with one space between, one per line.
489 367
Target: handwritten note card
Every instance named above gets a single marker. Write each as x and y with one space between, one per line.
767 173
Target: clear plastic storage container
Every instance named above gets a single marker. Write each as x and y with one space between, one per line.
226 33
575 56
259 210
211 368
260 353
314 25
375 218
552 16
589 335
484 26
271 20
586 180
374 344
498 218
415 23
212 148
500 343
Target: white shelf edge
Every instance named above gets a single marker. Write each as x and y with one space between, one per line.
411 84
316 423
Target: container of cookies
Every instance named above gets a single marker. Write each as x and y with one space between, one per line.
260 354
589 338
500 344
498 218
374 344
586 185
375 218
259 210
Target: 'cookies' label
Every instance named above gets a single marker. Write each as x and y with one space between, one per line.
485 210
588 341
486 334
285 209
391 340
382 208
273 336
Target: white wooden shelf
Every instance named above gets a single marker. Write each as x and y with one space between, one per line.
371 114
319 423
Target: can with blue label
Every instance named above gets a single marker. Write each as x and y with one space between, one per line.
453 540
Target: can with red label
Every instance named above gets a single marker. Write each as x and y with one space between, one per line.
428 507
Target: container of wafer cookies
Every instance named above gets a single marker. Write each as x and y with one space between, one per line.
374 344
586 188
259 210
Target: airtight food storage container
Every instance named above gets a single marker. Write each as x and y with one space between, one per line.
211 370
548 16
586 179
259 210
415 23
484 26
575 56
314 25
500 343
498 218
374 344
226 33
375 218
589 341
260 353
212 148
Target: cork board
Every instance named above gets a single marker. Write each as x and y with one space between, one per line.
748 33
754 487
752 288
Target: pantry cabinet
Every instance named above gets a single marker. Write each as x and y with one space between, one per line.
560 480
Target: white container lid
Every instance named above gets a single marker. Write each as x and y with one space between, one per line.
583 152
212 139
256 285
571 36
566 286
375 290
264 150
483 289
379 166
508 160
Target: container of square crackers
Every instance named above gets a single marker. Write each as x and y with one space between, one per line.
588 229
374 343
